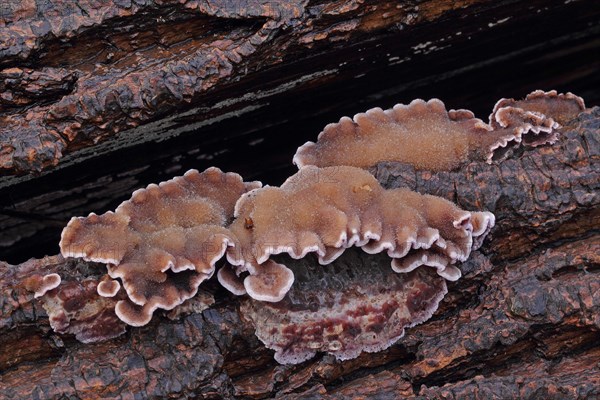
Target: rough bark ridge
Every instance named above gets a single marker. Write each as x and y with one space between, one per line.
523 322
140 60
74 74
102 96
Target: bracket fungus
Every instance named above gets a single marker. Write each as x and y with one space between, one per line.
162 243
76 308
357 304
40 285
327 210
429 137
561 107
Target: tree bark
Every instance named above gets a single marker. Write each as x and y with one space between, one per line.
523 322
97 101
73 76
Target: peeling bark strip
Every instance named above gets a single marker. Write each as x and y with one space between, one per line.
524 322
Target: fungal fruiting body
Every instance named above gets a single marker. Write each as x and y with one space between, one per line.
40 285
327 210
429 137
422 133
561 107
355 304
162 243
108 287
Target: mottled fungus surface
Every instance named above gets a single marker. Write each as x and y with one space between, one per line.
356 304
327 210
162 243
429 137
76 308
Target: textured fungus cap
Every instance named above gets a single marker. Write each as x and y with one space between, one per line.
177 289
560 107
325 211
528 127
423 134
40 285
162 243
428 137
228 278
535 120
108 288
272 284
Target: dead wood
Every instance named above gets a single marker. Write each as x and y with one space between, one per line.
106 100
99 100
522 322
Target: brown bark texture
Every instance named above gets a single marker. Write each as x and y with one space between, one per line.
523 322
118 79
98 99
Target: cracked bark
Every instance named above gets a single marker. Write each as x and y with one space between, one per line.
97 102
524 321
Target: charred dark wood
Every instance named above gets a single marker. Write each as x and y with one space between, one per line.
522 322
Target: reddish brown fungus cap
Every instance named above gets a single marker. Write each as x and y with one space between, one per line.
40 285
327 210
163 242
428 137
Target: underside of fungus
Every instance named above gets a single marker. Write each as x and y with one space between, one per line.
356 304
429 137
327 210
162 243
